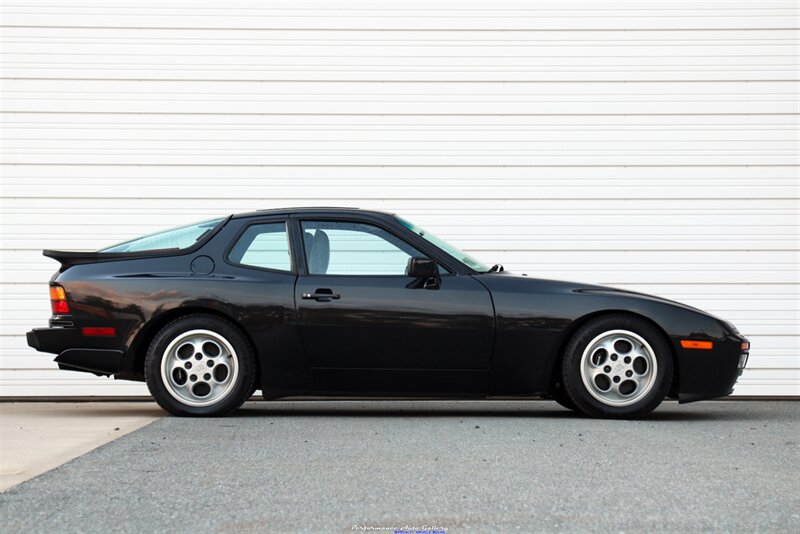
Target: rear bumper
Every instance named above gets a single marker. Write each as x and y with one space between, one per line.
66 342
710 374
53 340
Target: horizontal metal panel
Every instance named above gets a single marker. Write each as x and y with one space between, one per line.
378 175
755 104
370 16
370 36
49 203
276 52
433 137
276 186
243 148
395 91
432 73
355 157
597 219
292 194
149 63
246 122
235 147
264 195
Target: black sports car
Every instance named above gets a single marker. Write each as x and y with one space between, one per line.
347 302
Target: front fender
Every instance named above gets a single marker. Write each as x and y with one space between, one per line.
536 318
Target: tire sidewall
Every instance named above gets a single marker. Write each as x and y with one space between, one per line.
156 352
571 367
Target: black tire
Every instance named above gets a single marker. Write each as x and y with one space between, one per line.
588 396
561 397
242 380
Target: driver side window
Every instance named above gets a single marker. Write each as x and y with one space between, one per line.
354 248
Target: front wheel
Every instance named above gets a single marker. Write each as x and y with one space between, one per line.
617 366
200 365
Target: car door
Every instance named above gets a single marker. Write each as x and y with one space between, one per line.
358 309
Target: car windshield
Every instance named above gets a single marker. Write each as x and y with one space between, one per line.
457 253
176 238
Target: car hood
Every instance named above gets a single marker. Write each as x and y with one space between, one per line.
585 288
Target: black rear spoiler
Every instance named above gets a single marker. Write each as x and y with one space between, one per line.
69 258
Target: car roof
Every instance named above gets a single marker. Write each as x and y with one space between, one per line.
317 210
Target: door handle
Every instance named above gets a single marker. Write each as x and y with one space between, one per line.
321 295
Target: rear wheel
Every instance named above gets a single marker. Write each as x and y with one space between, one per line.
617 366
200 365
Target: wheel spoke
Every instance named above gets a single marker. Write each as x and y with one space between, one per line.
215 387
636 379
186 383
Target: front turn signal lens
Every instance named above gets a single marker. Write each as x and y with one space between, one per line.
58 300
691 344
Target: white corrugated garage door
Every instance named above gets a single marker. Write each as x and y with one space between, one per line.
647 145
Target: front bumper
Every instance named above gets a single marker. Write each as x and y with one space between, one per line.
67 343
713 373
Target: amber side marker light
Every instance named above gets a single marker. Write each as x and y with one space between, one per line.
58 300
703 345
99 331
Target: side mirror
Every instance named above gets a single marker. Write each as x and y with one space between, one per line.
422 268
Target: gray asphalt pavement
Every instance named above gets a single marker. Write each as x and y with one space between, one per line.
497 466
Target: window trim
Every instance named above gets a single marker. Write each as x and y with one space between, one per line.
299 219
292 256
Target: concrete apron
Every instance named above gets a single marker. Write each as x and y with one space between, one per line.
36 437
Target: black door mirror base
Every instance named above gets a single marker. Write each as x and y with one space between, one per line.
425 272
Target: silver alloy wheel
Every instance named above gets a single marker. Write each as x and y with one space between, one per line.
199 368
618 368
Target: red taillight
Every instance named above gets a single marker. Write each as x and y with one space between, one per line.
58 300
59 307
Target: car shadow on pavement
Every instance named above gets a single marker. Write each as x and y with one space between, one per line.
527 409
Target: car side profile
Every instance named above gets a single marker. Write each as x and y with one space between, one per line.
348 302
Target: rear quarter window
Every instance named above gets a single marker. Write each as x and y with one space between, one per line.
174 239
264 245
